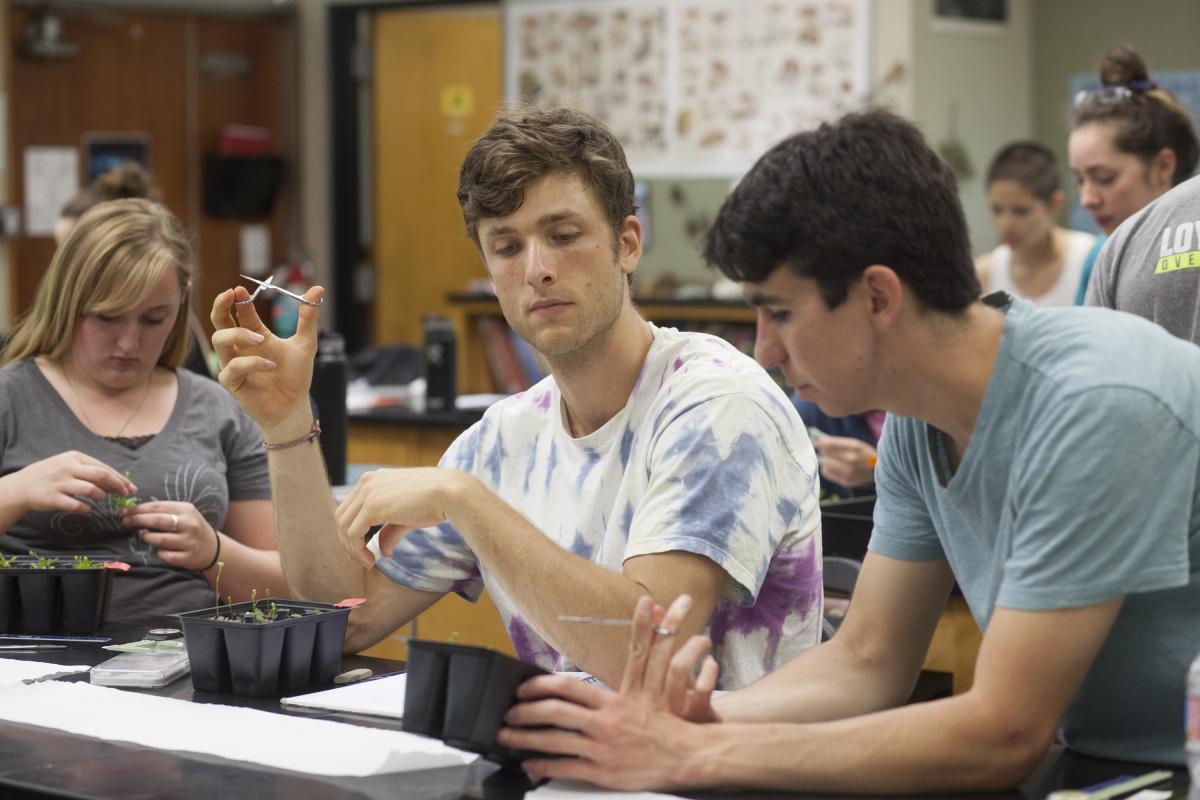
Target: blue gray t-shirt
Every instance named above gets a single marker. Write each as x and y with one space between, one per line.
1081 483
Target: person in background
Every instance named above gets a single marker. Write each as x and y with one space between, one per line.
1045 459
130 180
1036 259
845 449
107 448
649 460
1130 142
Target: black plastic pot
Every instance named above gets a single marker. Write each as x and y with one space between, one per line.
301 648
459 694
10 607
62 599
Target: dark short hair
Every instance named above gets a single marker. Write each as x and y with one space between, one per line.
1146 120
1030 164
830 202
525 144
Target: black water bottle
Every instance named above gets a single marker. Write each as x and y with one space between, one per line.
329 393
438 364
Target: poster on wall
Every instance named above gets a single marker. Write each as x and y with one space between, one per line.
51 179
608 58
752 71
691 87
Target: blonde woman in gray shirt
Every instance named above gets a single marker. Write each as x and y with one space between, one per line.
94 413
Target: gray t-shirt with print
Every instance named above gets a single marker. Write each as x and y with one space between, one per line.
1151 265
1081 483
209 453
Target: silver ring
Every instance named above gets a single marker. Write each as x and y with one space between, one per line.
174 523
659 630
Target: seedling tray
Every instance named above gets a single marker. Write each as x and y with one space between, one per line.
459 694
301 648
59 599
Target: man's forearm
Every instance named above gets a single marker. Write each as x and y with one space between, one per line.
827 682
314 562
947 745
544 580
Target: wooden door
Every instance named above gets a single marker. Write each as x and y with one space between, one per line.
178 78
437 84
124 59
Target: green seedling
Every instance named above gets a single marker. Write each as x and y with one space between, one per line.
7 561
83 562
118 503
44 562
260 616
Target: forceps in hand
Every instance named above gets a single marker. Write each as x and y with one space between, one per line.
268 284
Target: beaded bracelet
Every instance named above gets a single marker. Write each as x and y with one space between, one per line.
308 437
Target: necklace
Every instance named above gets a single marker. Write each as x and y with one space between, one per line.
86 419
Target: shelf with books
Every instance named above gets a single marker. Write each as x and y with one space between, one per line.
491 358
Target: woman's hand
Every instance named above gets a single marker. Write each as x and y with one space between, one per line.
181 534
269 376
57 483
845 460
632 739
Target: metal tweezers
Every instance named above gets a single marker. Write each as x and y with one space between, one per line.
269 285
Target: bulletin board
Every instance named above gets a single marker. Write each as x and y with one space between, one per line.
691 87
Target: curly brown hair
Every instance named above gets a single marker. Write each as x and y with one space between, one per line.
525 144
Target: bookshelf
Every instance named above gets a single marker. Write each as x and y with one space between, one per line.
476 316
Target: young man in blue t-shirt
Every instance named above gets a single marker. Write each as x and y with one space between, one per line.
1048 460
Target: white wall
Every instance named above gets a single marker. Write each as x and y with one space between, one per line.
988 75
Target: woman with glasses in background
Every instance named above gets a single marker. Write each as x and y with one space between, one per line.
1130 140
1130 143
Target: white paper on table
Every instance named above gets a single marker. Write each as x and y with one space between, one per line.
51 179
313 746
574 790
379 697
16 671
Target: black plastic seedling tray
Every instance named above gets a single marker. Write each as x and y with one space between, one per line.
301 648
459 694
58 599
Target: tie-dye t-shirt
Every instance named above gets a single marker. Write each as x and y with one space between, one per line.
708 456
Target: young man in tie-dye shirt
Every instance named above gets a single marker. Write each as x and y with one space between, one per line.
650 462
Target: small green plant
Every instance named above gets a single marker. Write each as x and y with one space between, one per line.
44 562
118 503
260 616
83 562
7 561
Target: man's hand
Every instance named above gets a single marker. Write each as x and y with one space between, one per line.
398 499
633 739
269 376
847 461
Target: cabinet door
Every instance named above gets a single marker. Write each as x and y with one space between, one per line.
437 84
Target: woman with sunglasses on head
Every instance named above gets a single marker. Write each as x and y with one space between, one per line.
1133 141
107 448
1130 142
1036 259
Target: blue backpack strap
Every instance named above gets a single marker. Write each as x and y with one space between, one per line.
1088 264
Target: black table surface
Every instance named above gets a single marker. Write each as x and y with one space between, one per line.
39 762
